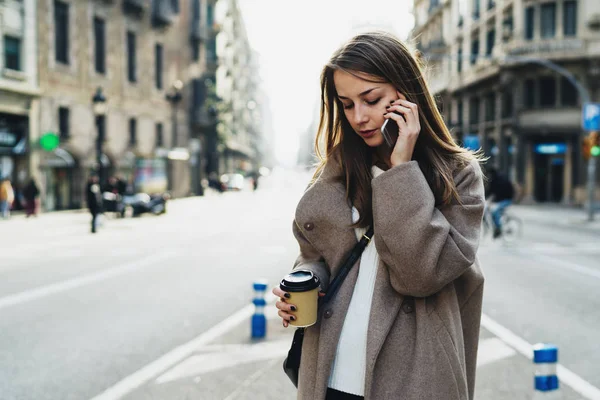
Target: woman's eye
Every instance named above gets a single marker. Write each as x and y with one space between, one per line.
372 103
347 107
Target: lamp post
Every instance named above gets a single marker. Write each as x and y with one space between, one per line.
99 107
174 97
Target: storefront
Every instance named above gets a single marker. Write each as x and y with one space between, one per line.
151 175
63 180
13 151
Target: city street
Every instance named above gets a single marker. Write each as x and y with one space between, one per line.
121 312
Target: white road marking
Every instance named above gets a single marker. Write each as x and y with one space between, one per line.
565 375
594 273
137 379
40 292
492 350
225 357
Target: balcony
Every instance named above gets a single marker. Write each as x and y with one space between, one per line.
198 32
555 48
162 13
134 6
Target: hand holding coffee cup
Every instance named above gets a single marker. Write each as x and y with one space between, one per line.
299 294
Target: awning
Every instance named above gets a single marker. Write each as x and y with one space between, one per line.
59 158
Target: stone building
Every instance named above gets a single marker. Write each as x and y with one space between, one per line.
19 91
504 73
145 56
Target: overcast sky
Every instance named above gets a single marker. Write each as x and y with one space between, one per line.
295 39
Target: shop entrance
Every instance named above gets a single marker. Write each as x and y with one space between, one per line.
549 162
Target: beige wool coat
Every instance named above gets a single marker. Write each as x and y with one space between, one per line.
426 308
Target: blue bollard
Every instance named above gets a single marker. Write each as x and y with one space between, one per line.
259 321
545 357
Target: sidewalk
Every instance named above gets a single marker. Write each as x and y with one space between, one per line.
558 216
234 367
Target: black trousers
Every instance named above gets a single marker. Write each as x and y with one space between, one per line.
333 394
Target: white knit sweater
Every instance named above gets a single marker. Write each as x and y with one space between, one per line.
348 370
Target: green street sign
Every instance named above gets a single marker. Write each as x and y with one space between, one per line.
595 152
49 141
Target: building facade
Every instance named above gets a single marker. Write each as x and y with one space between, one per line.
19 92
505 73
241 125
145 57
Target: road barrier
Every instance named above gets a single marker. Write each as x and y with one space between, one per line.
545 357
259 321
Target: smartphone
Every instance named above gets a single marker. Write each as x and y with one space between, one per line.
389 131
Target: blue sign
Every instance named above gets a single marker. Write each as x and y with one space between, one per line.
591 117
551 148
471 142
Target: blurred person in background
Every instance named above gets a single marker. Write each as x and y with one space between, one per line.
501 192
31 195
417 292
7 196
93 197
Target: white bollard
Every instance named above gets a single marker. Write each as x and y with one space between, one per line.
259 321
545 357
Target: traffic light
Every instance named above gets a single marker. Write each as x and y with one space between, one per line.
591 146
595 141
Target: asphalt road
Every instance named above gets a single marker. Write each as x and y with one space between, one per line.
80 312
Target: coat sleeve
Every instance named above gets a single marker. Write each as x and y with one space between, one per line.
425 247
310 259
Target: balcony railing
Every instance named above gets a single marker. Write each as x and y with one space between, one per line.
544 47
134 6
162 13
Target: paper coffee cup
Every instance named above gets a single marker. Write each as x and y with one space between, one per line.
303 287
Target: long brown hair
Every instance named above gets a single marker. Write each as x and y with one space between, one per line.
385 58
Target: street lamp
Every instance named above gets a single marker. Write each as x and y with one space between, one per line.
99 108
174 97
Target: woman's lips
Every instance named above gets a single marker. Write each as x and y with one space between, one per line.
368 134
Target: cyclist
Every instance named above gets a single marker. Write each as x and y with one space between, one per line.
500 191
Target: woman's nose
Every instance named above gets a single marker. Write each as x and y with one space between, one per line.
360 116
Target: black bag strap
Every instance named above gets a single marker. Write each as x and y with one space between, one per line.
347 266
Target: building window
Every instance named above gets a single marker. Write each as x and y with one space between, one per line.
159 135
131 57
460 113
459 56
63 122
474 110
529 23
548 20
490 107
474 51
61 31
491 4
491 40
547 92
100 45
12 53
158 67
132 131
568 93
475 9
507 104
570 18
529 93
175 6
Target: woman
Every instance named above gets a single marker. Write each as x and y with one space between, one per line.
405 322
31 193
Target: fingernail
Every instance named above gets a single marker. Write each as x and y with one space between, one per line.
292 318
293 308
287 295
283 323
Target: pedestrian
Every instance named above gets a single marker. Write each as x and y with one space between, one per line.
501 192
94 200
405 321
30 194
7 197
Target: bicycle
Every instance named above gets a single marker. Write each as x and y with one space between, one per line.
511 226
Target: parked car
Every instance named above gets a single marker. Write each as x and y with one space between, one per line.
232 182
141 203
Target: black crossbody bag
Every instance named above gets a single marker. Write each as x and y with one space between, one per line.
291 365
